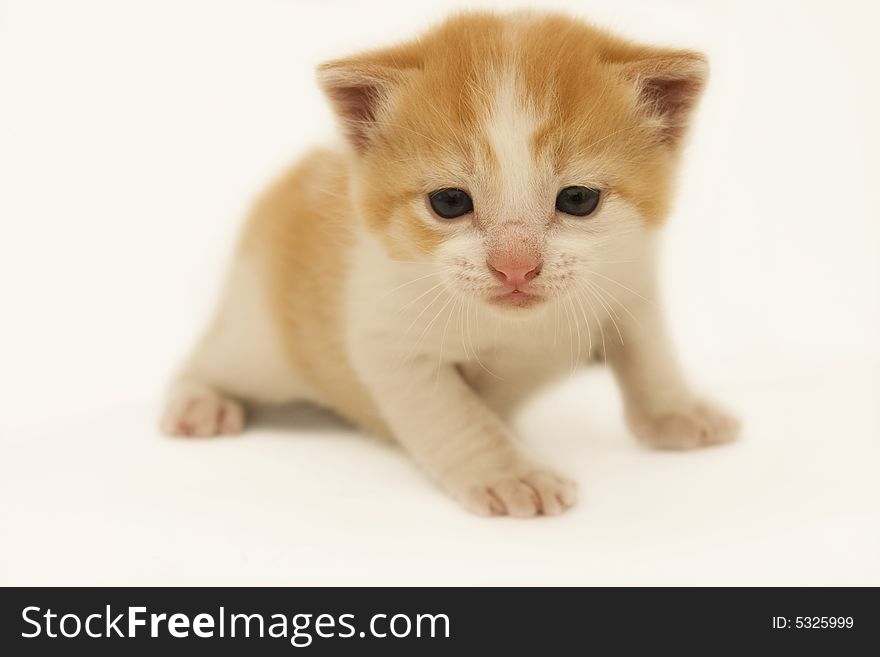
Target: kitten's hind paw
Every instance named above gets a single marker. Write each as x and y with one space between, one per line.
200 411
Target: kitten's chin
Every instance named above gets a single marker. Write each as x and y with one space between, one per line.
516 300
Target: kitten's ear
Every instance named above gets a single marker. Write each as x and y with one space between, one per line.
668 87
358 87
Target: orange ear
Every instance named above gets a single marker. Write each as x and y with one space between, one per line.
358 88
668 87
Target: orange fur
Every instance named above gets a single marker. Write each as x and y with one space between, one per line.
510 109
587 82
436 87
300 230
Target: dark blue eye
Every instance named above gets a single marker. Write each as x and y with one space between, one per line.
577 201
450 203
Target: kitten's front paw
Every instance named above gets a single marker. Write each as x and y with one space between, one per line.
523 494
691 425
202 412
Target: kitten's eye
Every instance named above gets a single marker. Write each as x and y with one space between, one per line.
450 203
577 201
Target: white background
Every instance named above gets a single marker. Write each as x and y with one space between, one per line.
133 136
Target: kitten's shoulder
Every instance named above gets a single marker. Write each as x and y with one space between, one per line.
319 174
311 193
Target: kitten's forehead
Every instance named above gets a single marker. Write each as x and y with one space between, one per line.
537 106
531 139
515 168
509 86
512 109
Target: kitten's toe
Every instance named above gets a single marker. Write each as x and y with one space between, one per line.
522 495
692 425
202 413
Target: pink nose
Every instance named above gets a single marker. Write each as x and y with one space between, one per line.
514 272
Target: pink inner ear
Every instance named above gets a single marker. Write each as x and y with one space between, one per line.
672 100
356 105
668 86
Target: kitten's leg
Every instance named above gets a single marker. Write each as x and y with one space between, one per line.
448 429
661 409
239 358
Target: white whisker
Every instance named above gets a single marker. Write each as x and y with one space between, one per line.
618 283
409 282
598 321
443 344
427 328
577 326
422 295
586 322
610 311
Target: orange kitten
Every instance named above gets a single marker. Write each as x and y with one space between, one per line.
492 221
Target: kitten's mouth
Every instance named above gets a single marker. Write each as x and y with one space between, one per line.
516 299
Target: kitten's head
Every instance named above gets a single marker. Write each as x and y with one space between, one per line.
518 154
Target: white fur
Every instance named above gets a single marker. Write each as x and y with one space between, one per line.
240 357
443 365
509 127
242 354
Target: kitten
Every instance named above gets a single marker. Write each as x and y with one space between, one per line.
490 224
